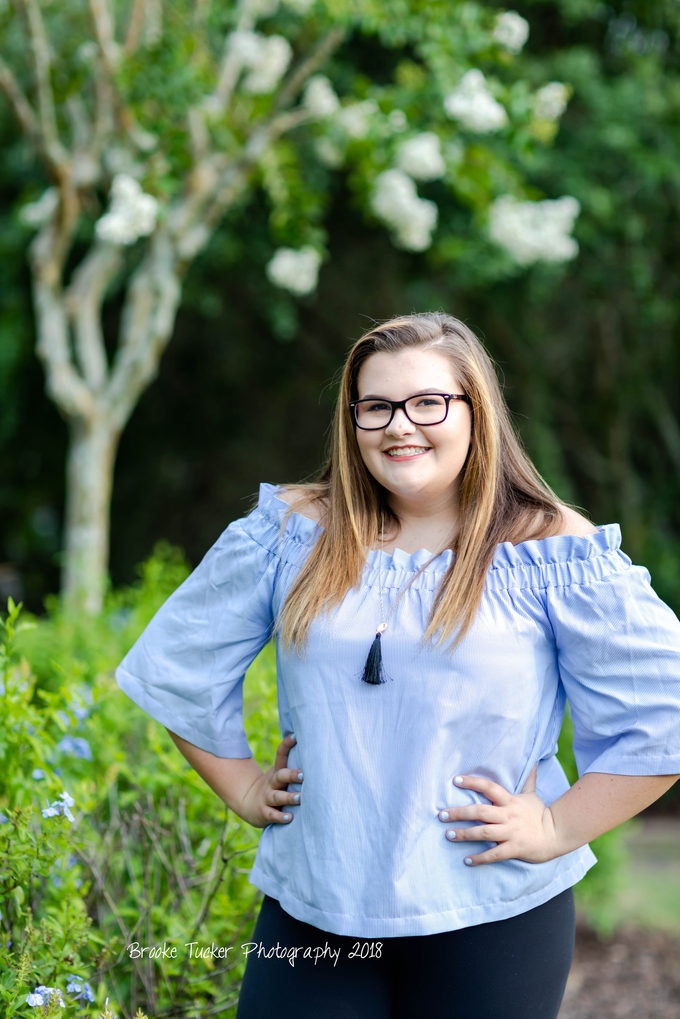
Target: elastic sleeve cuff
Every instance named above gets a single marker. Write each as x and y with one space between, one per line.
633 764
231 746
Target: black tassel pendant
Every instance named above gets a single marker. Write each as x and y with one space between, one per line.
373 669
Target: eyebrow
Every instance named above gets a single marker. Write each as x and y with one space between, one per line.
421 392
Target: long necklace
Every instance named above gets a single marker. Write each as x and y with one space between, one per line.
374 673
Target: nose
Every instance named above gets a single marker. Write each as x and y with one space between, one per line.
400 424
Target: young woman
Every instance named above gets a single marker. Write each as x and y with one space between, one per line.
434 603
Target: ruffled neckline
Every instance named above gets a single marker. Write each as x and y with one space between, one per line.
538 552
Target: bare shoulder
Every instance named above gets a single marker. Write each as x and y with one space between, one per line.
305 501
573 523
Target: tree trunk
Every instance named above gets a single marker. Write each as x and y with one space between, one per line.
89 477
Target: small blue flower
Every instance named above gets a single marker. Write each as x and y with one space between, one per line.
3 818
81 713
37 774
60 806
56 880
44 993
80 988
75 746
34 1000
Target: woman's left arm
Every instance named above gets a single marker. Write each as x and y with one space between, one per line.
524 828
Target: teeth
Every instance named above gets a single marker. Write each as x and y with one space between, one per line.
406 451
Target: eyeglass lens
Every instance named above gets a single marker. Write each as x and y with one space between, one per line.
422 410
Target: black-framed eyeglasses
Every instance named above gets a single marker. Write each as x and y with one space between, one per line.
423 409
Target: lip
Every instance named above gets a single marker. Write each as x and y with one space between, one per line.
405 459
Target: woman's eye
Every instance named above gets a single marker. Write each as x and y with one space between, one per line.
429 401
376 408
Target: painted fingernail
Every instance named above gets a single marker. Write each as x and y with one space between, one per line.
451 835
292 735
458 780
287 817
299 776
296 798
468 861
444 816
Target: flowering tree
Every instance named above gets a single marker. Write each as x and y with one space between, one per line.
153 121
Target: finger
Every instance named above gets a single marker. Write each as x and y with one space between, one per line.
478 833
494 792
287 775
494 855
273 816
277 797
475 812
282 751
530 784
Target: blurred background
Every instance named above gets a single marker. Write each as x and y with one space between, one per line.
587 348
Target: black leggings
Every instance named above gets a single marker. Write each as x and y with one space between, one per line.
507 969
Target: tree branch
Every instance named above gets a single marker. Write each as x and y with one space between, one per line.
105 32
326 45
84 299
231 63
16 98
42 69
63 384
135 26
147 324
110 54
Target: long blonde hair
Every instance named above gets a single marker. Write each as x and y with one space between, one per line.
502 496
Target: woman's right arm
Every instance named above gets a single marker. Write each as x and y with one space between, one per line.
250 792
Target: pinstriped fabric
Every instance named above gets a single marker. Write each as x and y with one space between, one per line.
365 854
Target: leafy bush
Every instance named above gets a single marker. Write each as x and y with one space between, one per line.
165 861
45 936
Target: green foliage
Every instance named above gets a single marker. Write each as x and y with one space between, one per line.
45 931
154 857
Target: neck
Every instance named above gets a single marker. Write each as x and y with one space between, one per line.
425 522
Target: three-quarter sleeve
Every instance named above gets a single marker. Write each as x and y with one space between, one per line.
618 648
187 668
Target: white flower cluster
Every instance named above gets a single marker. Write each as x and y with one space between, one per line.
320 98
550 102
132 213
511 30
41 996
330 154
265 57
421 157
535 231
34 214
61 806
322 101
295 270
355 119
473 104
396 202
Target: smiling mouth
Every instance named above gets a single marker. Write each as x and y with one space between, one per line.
403 452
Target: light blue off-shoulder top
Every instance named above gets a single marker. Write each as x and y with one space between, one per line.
365 854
